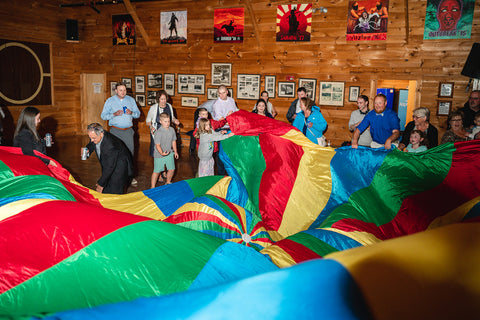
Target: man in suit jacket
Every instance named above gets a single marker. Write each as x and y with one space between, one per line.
295 106
115 159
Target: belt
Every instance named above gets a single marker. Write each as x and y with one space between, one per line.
121 128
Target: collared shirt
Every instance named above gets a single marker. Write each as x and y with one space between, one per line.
113 104
381 124
222 107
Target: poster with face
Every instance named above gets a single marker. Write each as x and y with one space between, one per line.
367 20
294 22
123 30
173 27
449 19
228 25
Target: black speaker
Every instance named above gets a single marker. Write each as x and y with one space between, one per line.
471 68
72 30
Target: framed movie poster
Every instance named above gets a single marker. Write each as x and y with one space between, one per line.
173 27
294 22
367 20
140 98
123 30
310 85
445 90
450 19
286 89
331 93
191 83
228 25
154 80
248 86
270 85
139 84
169 83
353 93
221 74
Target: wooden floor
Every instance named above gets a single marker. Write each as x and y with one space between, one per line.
66 150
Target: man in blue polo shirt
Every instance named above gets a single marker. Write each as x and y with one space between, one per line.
384 125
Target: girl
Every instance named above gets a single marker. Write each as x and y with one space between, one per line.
26 135
261 108
205 149
310 121
417 142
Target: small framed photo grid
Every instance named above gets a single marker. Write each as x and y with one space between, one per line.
154 80
139 84
151 97
221 74
189 101
270 85
445 90
310 85
444 107
248 86
353 93
332 93
191 83
286 89
169 83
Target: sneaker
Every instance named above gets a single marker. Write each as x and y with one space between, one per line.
134 182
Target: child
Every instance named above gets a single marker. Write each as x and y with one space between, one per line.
476 128
165 140
417 142
205 149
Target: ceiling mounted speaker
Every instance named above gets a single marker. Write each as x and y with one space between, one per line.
471 68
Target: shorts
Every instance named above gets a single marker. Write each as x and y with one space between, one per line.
160 163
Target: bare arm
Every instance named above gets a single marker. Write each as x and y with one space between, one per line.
393 137
356 135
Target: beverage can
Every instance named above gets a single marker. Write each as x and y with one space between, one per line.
84 153
124 109
48 139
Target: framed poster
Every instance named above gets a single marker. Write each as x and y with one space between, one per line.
444 108
173 27
248 86
140 98
286 89
189 101
112 88
139 84
310 85
367 20
353 93
128 82
228 25
270 85
221 74
151 97
191 83
212 93
123 28
294 22
169 83
331 93
154 80
449 19
445 90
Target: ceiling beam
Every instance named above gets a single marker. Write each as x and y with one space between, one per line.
254 21
138 23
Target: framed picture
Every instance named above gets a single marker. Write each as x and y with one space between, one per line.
270 85
140 98
154 80
112 88
310 85
212 93
444 108
170 83
151 97
353 93
139 84
221 74
331 93
248 86
191 83
128 82
189 101
445 90
286 89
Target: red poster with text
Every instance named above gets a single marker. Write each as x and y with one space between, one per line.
294 22
228 25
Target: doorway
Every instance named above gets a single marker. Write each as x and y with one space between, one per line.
93 96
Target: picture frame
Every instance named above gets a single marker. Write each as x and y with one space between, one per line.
248 86
169 79
154 80
444 107
190 102
112 88
191 83
139 84
445 90
128 82
221 74
212 93
310 85
331 93
353 93
151 97
270 82
140 99
286 89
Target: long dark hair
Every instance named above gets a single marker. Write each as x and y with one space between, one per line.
27 121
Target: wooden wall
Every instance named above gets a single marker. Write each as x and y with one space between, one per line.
327 57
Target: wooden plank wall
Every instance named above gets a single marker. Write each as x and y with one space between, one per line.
327 57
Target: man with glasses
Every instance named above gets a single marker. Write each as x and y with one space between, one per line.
471 107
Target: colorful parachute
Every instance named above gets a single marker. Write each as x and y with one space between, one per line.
285 201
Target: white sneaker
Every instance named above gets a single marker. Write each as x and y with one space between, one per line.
134 182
